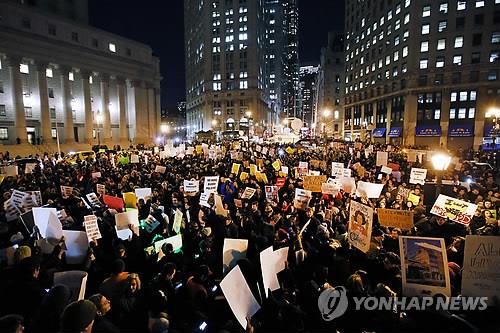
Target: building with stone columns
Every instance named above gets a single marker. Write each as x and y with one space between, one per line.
422 72
60 76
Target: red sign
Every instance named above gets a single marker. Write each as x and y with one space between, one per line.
280 182
113 202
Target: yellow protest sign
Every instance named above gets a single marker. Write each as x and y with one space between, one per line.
396 218
199 150
235 168
415 199
313 183
261 177
289 150
243 176
253 169
130 200
277 165
1 179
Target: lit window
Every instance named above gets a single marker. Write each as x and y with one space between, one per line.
271 41
48 72
244 84
442 26
217 86
396 56
424 46
441 44
443 8
229 38
406 19
473 95
461 5
494 56
91 80
112 47
463 96
440 62
426 29
459 41
24 68
397 25
462 113
407 3
388 60
457 60
398 8
426 11
243 36
4 133
389 15
453 97
71 76
437 114
452 113
405 51
495 37
472 112
479 3
424 63
396 40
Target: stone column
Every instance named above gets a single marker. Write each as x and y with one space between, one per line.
141 114
13 62
410 119
106 119
87 106
69 134
362 132
43 94
374 110
388 121
445 117
120 90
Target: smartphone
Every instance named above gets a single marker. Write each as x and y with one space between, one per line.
196 256
178 286
203 326
214 288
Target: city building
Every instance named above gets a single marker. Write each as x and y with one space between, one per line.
307 94
328 118
71 80
235 67
422 73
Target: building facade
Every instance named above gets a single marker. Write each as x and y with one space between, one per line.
328 119
422 73
234 64
71 80
307 94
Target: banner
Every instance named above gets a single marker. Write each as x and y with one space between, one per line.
424 266
370 190
360 226
313 183
417 176
481 268
302 198
210 184
396 218
191 186
91 227
382 158
456 210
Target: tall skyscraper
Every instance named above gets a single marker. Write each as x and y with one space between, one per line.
423 73
307 94
235 72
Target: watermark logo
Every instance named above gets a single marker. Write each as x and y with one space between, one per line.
332 303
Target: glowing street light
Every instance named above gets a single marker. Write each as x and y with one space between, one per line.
440 162
327 113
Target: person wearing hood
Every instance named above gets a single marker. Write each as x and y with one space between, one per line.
52 307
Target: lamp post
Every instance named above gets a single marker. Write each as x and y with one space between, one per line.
494 113
326 114
440 162
98 119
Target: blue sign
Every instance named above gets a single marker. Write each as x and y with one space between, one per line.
395 132
378 132
489 130
458 130
428 130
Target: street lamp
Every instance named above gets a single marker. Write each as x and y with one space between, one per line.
99 119
440 162
249 117
164 128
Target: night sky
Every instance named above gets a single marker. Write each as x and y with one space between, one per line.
160 24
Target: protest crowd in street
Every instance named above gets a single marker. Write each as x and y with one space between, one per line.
241 237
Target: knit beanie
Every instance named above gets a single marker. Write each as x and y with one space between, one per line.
77 316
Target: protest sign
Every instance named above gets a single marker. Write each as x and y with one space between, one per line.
76 246
100 189
382 158
303 168
271 263
235 168
130 199
54 231
413 198
417 176
76 281
253 169
348 184
330 188
404 192
396 218
66 191
177 221
233 250
302 198
93 199
261 177
284 170
191 186
271 193
386 170
91 227
277 165
243 176
143 193
313 183
347 173
122 220
370 190
96 175
210 184
113 202
248 193
150 223
280 182
10 171
481 268
204 199
219 206
176 242
29 167
36 197
239 296
424 266
454 209
360 226
41 218
134 158
160 169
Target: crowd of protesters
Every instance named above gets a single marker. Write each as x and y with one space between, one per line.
133 290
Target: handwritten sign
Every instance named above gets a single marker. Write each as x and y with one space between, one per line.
396 218
360 226
456 210
417 176
313 183
91 227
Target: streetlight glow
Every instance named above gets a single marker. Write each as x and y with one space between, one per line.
98 118
164 128
440 161
493 112
327 113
